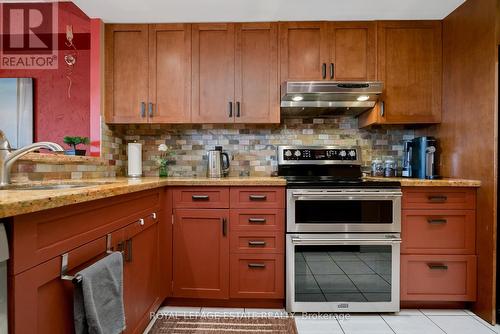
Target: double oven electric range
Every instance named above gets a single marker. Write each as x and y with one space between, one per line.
343 233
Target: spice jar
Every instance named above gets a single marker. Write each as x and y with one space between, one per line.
389 168
377 168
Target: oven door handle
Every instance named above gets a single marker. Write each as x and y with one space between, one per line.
345 197
335 195
333 241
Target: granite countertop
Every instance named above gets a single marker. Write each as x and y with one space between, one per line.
444 182
17 202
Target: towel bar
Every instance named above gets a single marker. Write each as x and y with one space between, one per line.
64 263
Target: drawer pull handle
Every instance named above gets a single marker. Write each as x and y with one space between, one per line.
141 222
257 243
154 215
256 265
257 197
200 197
438 199
437 266
257 220
437 221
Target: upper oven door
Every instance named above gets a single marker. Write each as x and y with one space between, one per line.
344 210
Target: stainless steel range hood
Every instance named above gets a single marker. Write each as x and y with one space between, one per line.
326 98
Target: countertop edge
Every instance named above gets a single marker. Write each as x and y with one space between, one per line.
122 186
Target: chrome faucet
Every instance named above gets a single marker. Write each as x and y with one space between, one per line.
8 157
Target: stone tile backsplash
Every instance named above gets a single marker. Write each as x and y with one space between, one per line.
253 147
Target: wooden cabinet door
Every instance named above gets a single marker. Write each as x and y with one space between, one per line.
141 273
126 73
201 253
213 73
42 302
169 73
257 88
410 66
304 50
352 51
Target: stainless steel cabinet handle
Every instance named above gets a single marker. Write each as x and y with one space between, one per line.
256 220
256 243
154 215
437 266
382 108
257 197
437 221
143 109
238 107
200 197
224 226
141 222
332 70
256 265
150 109
437 198
128 250
323 70
230 109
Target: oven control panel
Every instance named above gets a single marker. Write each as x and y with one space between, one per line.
289 154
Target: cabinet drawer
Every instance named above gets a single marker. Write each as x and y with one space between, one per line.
258 219
258 197
438 232
201 198
257 242
438 277
439 198
257 276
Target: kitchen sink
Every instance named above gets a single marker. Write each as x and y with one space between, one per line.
52 186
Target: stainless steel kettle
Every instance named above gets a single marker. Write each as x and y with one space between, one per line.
218 163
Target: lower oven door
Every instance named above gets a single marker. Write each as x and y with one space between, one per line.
343 210
342 272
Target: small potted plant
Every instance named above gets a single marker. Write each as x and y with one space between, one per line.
74 142
164 160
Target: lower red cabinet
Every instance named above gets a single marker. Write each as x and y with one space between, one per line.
257 276
438 277
201 253
228 254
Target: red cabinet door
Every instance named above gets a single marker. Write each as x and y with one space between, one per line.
201 253
141 273
42 302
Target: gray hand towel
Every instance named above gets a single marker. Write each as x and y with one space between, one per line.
98 299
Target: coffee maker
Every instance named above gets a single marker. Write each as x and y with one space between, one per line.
424 153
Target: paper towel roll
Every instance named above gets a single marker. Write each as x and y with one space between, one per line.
134 151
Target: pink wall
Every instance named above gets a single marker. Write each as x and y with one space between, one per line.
57 115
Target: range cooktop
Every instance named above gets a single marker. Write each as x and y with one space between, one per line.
325 167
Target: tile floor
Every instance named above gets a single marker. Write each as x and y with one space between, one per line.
405 322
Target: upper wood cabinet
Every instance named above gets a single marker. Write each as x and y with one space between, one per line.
352 51
304 50
148 73
256 74
126 73
213 73
235 73
327 51
170 73
410 66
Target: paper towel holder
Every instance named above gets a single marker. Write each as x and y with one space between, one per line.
135 172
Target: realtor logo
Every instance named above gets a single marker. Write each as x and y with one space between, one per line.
29 35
